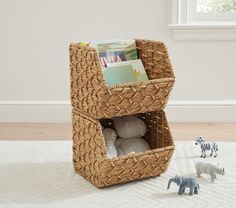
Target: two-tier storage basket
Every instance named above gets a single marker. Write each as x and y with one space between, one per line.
94 104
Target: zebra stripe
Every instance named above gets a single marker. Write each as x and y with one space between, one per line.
212 146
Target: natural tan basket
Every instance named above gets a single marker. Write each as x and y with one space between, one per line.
94 104
90 155
90 95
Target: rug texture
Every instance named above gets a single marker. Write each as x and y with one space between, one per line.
40 174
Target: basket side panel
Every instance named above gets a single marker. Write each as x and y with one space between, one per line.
87 83
89 149
158 132
166 132
155 59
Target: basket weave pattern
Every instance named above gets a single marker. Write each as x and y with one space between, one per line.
94 104
90 95
90 156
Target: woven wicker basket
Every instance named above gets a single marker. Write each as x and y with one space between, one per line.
90 95
94 104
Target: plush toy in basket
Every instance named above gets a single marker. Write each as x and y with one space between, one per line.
130 130
110 138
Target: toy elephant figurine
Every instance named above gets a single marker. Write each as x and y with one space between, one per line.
183 183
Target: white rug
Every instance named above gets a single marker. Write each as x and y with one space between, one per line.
40 174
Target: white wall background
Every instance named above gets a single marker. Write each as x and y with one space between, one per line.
34 67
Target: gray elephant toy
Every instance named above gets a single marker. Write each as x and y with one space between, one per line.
183 183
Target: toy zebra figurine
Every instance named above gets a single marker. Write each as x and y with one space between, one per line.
207 146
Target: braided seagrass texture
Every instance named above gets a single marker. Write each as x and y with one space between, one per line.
90 95
90 156
94 104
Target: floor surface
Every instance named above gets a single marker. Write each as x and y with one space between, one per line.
63 131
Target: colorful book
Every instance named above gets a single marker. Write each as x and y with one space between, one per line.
115 50
124 72
137 66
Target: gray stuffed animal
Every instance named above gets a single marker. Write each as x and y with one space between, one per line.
183 183
210 169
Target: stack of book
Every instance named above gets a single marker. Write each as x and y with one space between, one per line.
119 60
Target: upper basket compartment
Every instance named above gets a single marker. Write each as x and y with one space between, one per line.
90 95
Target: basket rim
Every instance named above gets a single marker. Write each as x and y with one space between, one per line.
139 154
130 84
77 44
145 82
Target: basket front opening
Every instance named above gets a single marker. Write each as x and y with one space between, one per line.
157 133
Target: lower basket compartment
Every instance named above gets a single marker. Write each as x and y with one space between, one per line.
90 155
